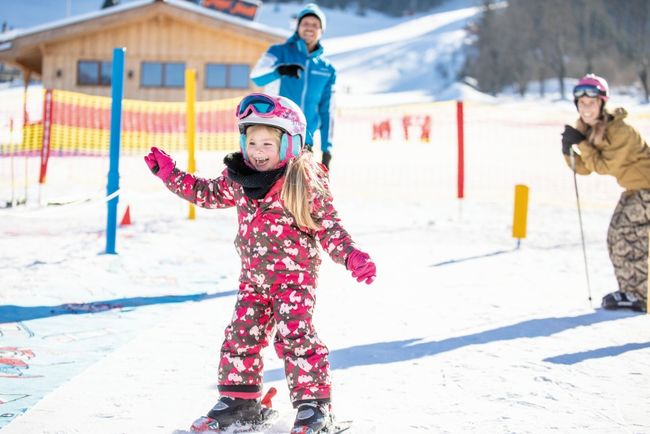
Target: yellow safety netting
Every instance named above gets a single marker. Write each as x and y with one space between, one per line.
80 125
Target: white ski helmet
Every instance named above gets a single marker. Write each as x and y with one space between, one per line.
274 111
312 9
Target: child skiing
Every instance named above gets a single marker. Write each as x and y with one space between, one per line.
284 209
603 142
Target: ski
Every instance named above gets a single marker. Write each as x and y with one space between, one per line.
268 416
337 428
342 426
207 425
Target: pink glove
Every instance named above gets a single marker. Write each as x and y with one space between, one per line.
159 163
363 269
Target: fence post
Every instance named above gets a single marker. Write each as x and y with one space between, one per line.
45 139
190 122
117 93
460 124
520 216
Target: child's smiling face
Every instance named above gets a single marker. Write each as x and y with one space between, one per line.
262 148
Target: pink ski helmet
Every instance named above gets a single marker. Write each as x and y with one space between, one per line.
592 86
274 111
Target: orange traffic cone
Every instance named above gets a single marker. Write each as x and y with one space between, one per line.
126 220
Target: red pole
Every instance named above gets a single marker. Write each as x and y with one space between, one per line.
47 129
460 123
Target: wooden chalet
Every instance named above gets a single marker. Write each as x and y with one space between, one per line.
162 38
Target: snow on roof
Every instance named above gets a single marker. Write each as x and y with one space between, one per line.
182 4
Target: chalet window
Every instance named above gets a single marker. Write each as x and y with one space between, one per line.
226 76
157 74
94 73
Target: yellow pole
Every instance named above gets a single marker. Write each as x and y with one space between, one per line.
190 99
521 213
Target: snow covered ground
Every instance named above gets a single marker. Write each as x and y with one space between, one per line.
461 331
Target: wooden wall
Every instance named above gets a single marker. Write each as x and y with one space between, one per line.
156 37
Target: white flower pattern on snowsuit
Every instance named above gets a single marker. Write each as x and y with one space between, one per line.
280 263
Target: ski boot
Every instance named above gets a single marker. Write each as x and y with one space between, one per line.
244 414
623 300
313 417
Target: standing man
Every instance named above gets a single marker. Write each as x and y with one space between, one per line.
303 75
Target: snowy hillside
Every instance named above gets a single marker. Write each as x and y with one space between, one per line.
411 58
418 56
462 332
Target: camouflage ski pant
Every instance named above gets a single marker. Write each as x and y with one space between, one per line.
627 241
258 312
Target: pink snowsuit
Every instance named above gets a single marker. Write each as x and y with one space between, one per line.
278 280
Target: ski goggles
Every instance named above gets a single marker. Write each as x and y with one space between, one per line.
262 105
587 90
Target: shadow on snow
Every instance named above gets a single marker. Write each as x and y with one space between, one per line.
469 258
409 349
11 313
570 359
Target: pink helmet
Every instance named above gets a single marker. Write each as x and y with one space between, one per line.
592 86
274 111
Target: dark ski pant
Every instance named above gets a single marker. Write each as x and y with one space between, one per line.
627 241
258 312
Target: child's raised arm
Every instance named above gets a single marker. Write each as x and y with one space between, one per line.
206 193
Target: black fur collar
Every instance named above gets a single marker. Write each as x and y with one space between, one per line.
256 184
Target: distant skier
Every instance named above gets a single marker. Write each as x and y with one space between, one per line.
605 144
284 210
298 70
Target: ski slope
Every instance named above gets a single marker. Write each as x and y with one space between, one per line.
462 332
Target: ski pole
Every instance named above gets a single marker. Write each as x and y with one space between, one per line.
582 232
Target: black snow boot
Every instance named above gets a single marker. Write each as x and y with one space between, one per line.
624 300
313 417
229 411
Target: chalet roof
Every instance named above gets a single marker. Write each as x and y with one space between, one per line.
126 7
23 46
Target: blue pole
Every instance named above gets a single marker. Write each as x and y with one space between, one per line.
117 93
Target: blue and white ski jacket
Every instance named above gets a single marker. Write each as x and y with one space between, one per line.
312 91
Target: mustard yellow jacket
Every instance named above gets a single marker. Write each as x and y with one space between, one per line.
612 147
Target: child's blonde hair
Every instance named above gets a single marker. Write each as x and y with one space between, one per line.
304 180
